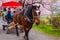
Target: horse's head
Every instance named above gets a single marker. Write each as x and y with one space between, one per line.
36 12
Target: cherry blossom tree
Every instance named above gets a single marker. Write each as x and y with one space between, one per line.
51 5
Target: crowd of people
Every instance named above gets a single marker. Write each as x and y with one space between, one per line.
7 14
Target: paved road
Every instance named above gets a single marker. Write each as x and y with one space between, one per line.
33 35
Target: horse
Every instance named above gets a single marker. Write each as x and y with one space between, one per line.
27 19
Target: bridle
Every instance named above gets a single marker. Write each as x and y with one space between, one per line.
29 20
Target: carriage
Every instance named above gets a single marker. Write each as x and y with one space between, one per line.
26 18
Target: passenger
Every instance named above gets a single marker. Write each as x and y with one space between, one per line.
8 15
4 14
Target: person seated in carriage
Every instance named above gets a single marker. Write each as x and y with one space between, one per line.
8 15
3 14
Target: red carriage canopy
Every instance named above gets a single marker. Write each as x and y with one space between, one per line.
12 4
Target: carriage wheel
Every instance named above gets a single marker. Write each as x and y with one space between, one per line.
4 26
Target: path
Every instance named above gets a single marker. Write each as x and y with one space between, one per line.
33 35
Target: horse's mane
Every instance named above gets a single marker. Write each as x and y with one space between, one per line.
29 12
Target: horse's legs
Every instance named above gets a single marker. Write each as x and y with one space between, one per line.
26 35
17 31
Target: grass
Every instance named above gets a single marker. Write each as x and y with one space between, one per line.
48 29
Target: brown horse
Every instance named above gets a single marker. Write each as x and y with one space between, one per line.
27 19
